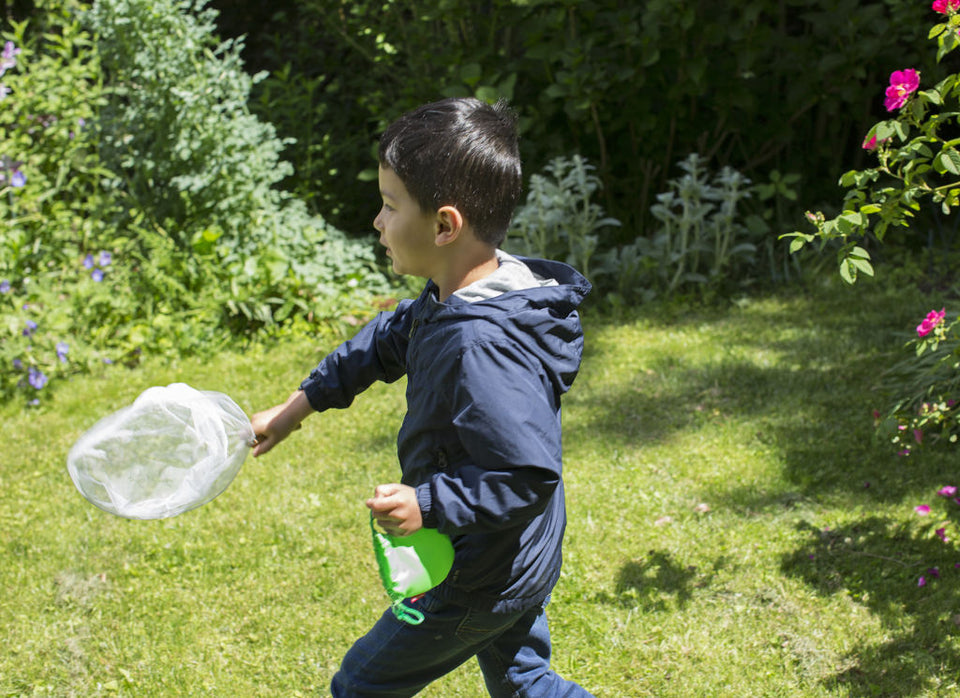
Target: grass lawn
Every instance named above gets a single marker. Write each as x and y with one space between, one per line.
734 530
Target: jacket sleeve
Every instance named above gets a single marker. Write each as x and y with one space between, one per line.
507 419
376 352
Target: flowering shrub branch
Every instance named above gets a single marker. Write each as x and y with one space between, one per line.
918 158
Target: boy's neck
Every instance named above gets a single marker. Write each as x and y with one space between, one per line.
466 269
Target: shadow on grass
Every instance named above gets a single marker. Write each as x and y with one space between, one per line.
804 375
805 372
659 582
879 564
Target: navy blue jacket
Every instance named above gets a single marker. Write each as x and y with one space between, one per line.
481 440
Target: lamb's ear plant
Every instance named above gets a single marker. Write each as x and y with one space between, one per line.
701 238
917 160
559 219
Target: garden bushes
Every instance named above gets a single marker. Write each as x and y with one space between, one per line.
139 199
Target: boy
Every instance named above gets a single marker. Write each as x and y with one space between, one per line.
488 349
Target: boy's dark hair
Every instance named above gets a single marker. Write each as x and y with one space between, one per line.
459 152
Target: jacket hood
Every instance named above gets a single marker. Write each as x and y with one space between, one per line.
543 317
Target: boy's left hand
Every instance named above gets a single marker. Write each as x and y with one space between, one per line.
396 509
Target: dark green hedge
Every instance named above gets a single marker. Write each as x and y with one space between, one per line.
760 85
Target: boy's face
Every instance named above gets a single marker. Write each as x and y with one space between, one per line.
405 230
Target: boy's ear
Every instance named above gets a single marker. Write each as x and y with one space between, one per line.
449 225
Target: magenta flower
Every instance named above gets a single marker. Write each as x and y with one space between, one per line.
903 83
872 143
933 319
948 490
922 582
942 534
946 7
923 509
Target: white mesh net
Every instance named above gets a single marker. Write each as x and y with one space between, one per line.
174 449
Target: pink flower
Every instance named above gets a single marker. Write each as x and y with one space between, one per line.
923 509
948 490
872 143
933 318
903 83
945 7
942 534
922 582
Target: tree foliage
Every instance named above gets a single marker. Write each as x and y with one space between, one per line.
760 86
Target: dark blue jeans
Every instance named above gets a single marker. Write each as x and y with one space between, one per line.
396 659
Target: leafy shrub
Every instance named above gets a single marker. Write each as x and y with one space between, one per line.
197 167
138 206
53 211
630 86
701 238
559 220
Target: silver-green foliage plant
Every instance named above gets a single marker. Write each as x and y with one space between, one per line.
559 219
701 238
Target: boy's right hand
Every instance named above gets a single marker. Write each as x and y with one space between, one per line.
271 426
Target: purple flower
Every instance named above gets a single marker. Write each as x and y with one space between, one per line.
17 179
4 91
8 57
105 259
88 262
4 286
922 582
62 349
17 364
37 378
30 328
10 50
97 275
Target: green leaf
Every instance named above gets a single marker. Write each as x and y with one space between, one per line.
849 222
949 161
862 265
936 30
848 272
885 129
